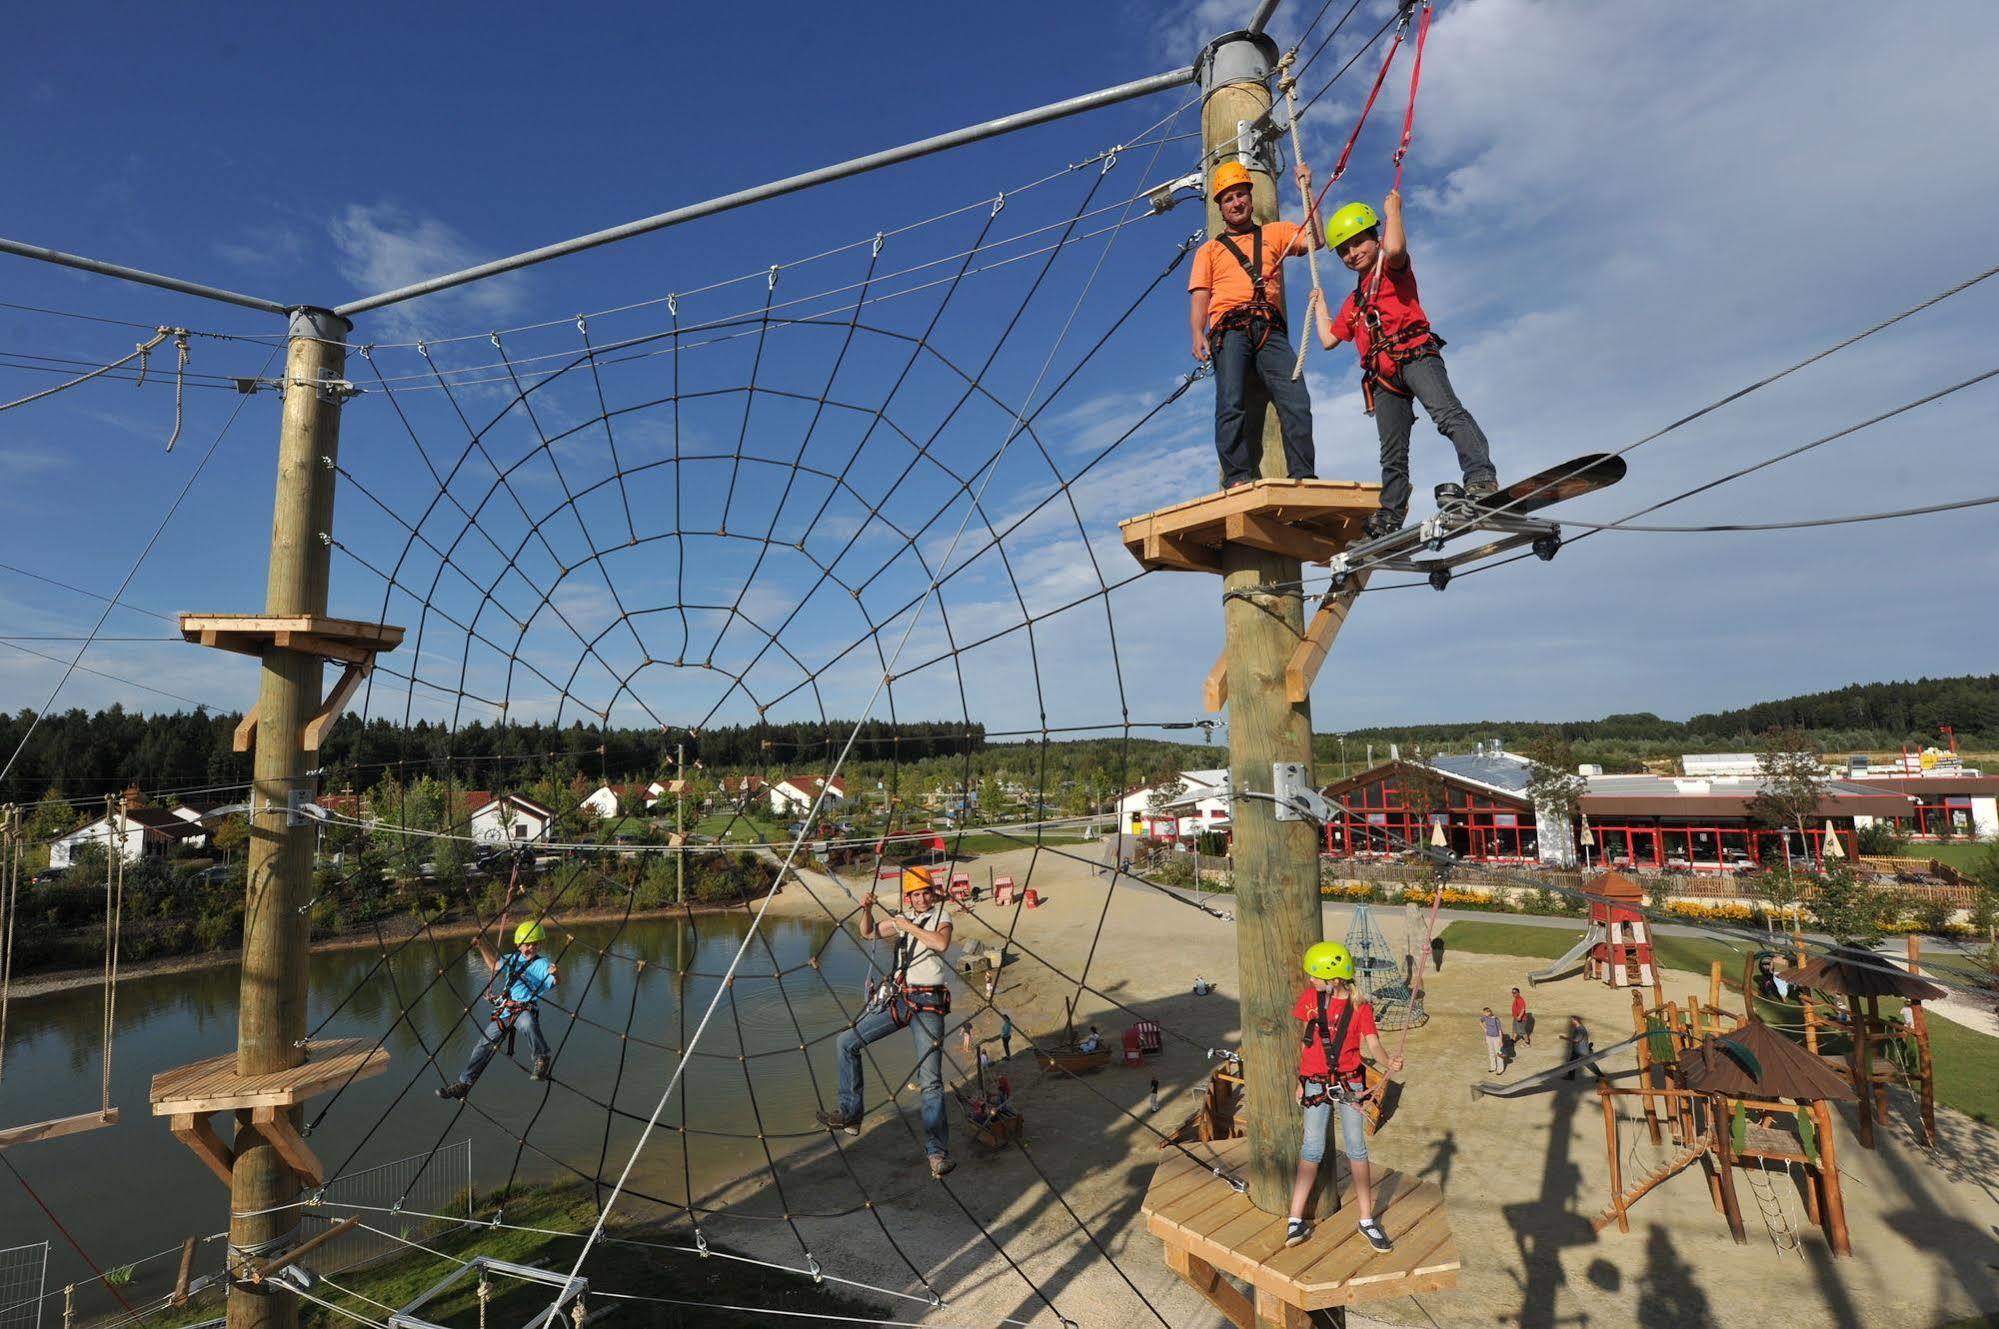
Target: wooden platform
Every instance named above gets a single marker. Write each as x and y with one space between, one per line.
345 641
190 1095
54 1130
213 1085
1212 1232
1310 520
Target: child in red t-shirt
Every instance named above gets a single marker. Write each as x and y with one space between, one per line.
1401 358
1328 1077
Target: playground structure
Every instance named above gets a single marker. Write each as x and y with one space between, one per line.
1380 979
1880 1050
1616 947
1727 1092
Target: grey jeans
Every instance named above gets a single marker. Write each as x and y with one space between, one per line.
1395 416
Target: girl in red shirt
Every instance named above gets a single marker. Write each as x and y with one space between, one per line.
1401 358
1339 1027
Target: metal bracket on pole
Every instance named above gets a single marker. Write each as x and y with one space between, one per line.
1292 792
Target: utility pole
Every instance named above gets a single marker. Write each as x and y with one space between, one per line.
1276 864
271 1006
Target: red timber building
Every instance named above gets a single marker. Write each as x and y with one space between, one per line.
1669 823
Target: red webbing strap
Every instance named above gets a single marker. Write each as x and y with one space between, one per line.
1346 153
1415 79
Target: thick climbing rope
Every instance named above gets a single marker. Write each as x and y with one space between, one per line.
1288 84
139 353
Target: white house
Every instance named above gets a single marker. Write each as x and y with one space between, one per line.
510 818
1201 805
610 801
136 833
794 795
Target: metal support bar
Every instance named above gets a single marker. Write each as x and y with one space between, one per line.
791 184
123 273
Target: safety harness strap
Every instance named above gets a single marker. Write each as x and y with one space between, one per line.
1316 1027
1415 79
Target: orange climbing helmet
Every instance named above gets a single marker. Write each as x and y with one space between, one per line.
1227 176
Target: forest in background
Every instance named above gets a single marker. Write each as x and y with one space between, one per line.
79 755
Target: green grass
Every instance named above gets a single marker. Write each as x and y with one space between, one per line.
1964 855
978 842
614 1266
1966 1062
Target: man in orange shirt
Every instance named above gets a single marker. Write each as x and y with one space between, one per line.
1237 319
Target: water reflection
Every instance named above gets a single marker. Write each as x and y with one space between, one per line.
131 1190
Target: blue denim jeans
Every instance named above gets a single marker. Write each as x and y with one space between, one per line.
928 1027
1353 1129
527 1022
1245 378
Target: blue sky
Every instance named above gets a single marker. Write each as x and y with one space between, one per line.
1615 222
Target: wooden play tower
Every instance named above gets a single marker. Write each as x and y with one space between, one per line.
1880 1051
1218 1206
1622 955
1730 1097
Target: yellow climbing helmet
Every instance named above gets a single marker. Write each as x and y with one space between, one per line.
1329 960
917 879
528 932
1227 176
1348 222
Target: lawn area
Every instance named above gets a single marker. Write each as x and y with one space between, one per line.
619 1263
1964 855
734 828
984 842
1967 1062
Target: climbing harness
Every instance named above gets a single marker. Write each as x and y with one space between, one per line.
903 1000
1257 318
1340 1086
1388 353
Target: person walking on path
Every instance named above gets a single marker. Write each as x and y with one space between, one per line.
1006 1035
1154 1097
1339 1030
1236 314
1580 1046
915 995
1523 1033
1493 1038
516 989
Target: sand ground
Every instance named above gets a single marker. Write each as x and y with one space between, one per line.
1522 1177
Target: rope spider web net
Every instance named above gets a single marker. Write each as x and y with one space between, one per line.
869 502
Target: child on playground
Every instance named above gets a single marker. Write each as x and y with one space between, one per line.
916 994
518 983
1339 1029
1236 314
1401 360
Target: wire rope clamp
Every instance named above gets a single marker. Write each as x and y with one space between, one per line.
1292 791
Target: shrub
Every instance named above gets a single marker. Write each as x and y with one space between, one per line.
1883 839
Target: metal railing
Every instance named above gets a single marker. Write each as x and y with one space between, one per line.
24 1272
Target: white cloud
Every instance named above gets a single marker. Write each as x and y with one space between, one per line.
382 246
275 245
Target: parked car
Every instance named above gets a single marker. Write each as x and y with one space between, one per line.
47 875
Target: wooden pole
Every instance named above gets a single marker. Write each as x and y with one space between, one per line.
1276 863
1926 1085
1861 1057
1638 1026
1834 1205
272 1001
1616 1164
1720 1123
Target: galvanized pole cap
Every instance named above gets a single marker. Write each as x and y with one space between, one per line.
1235 57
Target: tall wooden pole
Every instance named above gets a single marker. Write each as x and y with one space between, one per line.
1276 864
271 1005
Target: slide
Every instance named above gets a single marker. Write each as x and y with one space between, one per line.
1513 1088
1571 962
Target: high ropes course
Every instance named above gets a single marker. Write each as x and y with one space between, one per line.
869 482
